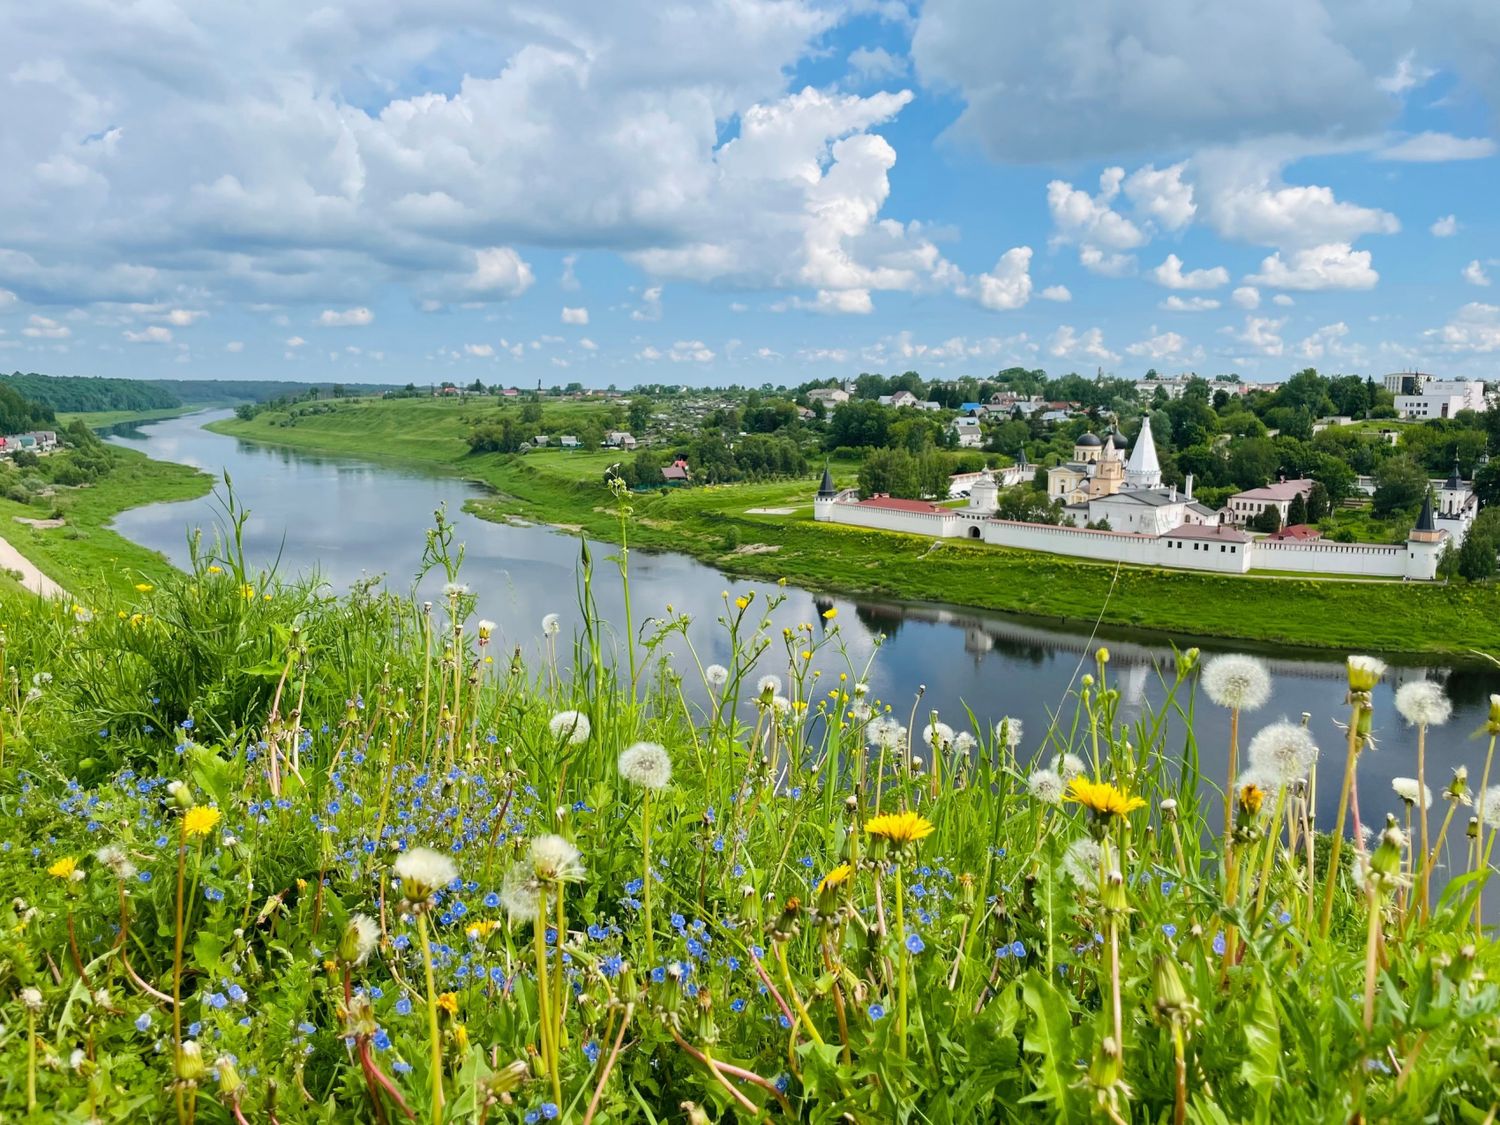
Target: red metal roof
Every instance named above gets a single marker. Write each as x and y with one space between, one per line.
892 504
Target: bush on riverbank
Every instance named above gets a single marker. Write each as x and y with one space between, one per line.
277 853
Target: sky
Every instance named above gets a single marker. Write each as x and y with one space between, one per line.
747 191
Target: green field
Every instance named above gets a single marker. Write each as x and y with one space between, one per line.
715 524
97 419
85 554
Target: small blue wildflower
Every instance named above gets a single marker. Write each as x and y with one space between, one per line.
914 943
877 1012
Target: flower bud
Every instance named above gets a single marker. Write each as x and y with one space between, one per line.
230 1082
358 940
190 1066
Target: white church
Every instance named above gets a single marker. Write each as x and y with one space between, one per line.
1118 510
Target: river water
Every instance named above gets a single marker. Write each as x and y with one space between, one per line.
346 520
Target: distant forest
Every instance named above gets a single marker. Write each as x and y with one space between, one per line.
19 415
77 393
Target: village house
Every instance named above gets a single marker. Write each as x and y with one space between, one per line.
1245 506
541 439
619 439
828 396
677 472
569 441
969 435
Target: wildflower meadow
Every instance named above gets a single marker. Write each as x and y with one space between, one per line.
274 854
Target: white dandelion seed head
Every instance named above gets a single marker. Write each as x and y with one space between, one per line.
485 627
572 727
1081 861
1258 778
1008 731
556 860
781 704
768 685
937 734
1410 791
363 934
454 589
646 764
520 894
1487 806
551 625
861 711
423 872
1283 752
1045 786
1238 682
886 733
964 742
1423 704
861 689
116 861
716 674
1068 766
31 999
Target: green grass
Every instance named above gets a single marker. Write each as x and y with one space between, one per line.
714 525
85 553
98 419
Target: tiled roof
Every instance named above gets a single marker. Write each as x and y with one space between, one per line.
892 504
1220 533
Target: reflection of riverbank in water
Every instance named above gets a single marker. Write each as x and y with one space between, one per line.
348 520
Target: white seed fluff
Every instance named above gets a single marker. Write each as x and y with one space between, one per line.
551 625
1283 753
366 933
1238 682
1408 790
555 860
716 674
1423 704
1008 731
646 764
572 727
768 685
423 872
938 734
1046 786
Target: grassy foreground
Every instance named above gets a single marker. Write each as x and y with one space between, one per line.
274 856
85 553
718 525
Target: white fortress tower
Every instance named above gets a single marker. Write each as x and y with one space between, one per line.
823 501
1425 544
983 494
1143 470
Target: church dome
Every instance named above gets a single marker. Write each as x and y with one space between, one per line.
1117 439
1090 439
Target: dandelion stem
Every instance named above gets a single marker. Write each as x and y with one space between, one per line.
434 1036
646 879
1420 892
905 961
1330 883
1480 811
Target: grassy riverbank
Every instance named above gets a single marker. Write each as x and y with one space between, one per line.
84 553
280 856
98 419
719 525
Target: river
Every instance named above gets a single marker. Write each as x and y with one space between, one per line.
347 520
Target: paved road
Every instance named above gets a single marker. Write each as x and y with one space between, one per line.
32 578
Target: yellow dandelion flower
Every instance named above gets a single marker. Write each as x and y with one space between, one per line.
448 1002
1251 799
899 828
741 603
247 591
144 587
200 820
216 570
1101 798
836 878
64 868
830 613
461 1037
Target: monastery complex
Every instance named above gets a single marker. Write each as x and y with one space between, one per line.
1151 524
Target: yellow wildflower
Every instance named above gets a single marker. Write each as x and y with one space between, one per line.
247 591
64 867
448 1002
482 929
1251 798
836 878
1101 798
899 828
830 613
200 820
144 587
216 570
741 603
461 1037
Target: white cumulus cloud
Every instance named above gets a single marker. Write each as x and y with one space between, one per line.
575 315
1162 346
153 334
1332 266
1475 328
1246 296
347 318
1008 285
1445 227
1171 275
1474 274
1056 293
1067 343
45 328
1175 303
1433 148
480 351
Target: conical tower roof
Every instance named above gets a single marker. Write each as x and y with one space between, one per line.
1454 481
1143 470
826 488
1425 521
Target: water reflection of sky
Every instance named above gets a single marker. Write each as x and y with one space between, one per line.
346 520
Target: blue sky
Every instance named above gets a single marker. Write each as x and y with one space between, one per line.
751 191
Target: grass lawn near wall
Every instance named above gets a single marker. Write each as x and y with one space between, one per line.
719 525
84 553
